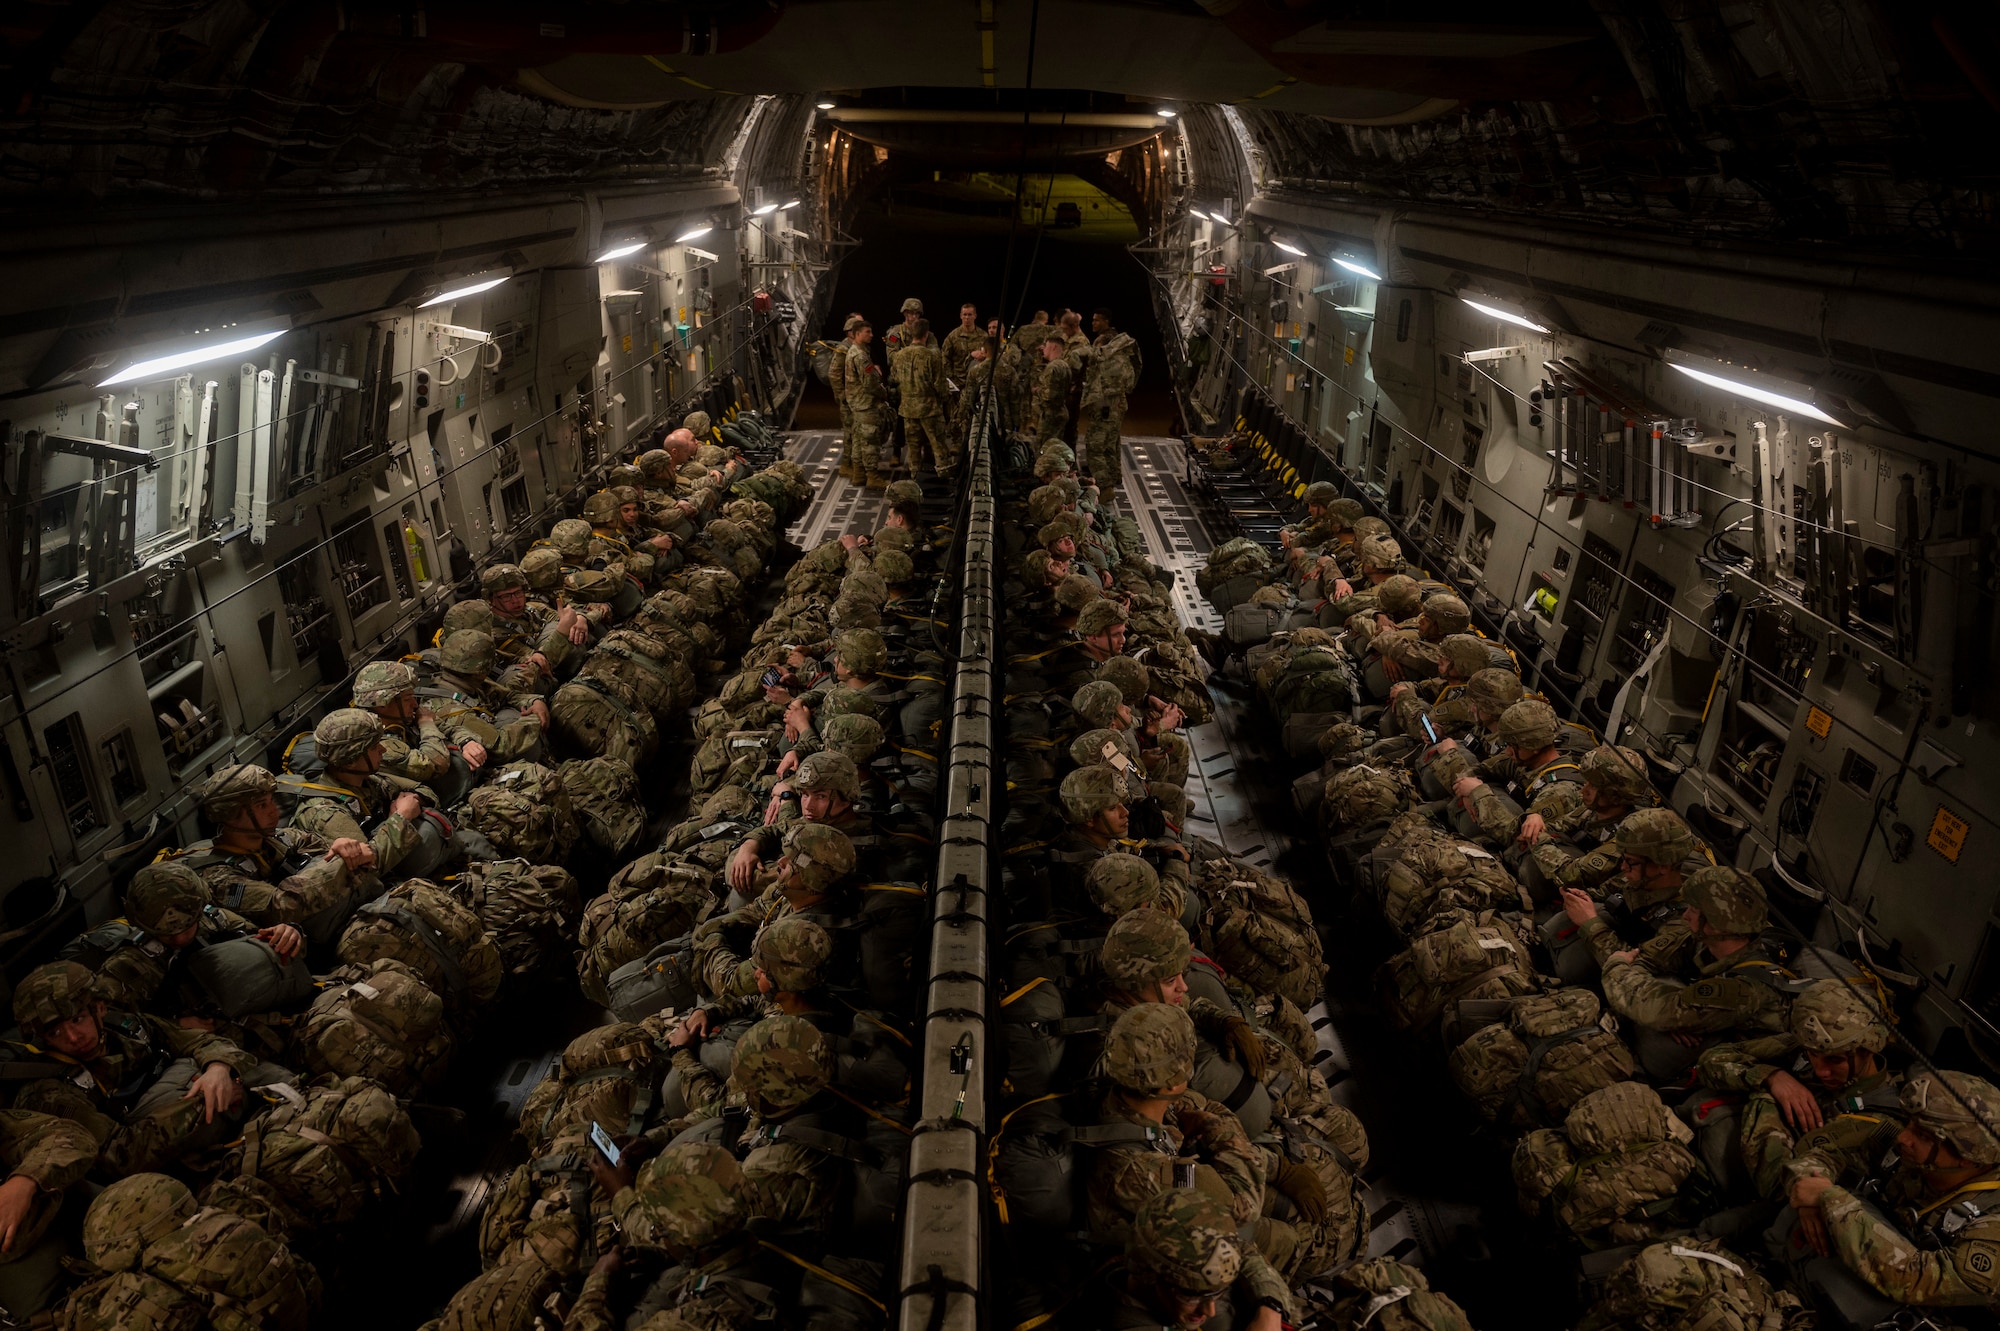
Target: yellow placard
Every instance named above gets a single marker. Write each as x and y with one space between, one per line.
1947 836
1818 722
628 341
1349 354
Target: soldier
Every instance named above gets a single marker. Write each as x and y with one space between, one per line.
816 861
1418 655
836 380
169 919
272 875
44 1158
414 747
1049 416
1654 852
1093 800
354 800
692 1201
826 787
1111 373
1163 751
1449 710
977 392
1821 1100
924 396
527 631
148 1091
907 333
1684 989
1534 770
1321 526
960 343
867 408
1935 1239
471 706
1184 1256
1076 342
1014 375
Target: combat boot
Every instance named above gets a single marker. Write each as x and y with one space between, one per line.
850 465
876 481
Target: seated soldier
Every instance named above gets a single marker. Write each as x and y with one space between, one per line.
856 664
1163 751
1449 708
1397 654
1652 854
148 1091
349 797
471 706
1685 990
527 632
1535 772
1183 1260
817 863
1933 1238
1099 820
542 566
1821 1100
826 787
271 875
414 747
46 1160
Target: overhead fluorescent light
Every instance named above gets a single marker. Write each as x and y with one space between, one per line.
621 251
765 211
1166 113
1505 316
792 204
826 106
695 234
180 360
1196 212
1353 267
1783 394
1289 248
471 290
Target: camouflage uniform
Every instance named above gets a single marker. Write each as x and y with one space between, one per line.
164 901
425 758
54 1154
1050 412
900 336
331 810
920 379
291 879
1185 1242
1110 374
836 381
470 705
868 412
820 857
1551 789
1450 709
957 350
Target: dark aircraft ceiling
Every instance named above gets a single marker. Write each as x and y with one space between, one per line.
1862 122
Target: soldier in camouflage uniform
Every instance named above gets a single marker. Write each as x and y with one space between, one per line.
1403 654
44 1157
1930 1237
1111 372
817 861
906 334
414 747
1449 708
924 396
1183 1257
960 343
1049 416
1653 853
351 795
1093 800
867 410
526 631
169 919
272 875
836 380
693 1202
472 706
1711 979
1535 771
1164 752
1821 1100
146 1090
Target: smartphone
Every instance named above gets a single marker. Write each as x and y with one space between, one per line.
602 1141
1430 731
774 677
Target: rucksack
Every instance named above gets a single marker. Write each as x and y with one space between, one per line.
661 684
1617 1172
131 1301
1551 1051
1332 1144
426 928
1457 956
604 793
1689 1282
1435 872
1314 680
525 811
732 758
379 1021
530 911
607 1075
662 980
520 1296
244 1278
1384 1295
245 975
594 716
651 900
328 1149
1262 931
549 1212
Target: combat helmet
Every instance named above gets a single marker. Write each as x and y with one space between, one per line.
656 464
380 683
1494 689
1658 836
1960 1110
344 736
1446 613
1346 512
1618 774
1044 502
1076 591
692 1195
571 539
1089 791
1100 616
781 1063
473 614
912 306
51 995
235 788
903 492
1098 702
1150 1049
132 1215
1119 884
855 736
1365 527
1144 946
861 651
1322 493
821 856
165 899
1380 553
894 567
1464 654
1399 597
497 578
467 652
1529 724
1831 1018
830 771
1134 681
697 423
542 567
1188 1241
793 952
1730 901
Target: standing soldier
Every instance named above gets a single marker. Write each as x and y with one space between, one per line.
960 341
1110 373
977 384
906 334
836 379
868 409
1013 378
1052 381
920 378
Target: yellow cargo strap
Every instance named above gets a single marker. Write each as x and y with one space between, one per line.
1981 1185
1039 979
904 888
824 1274
993 1188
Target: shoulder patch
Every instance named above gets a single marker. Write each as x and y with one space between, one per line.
1977 1261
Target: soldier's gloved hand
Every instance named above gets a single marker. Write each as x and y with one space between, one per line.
1798 1106
1246 1047
1303 1189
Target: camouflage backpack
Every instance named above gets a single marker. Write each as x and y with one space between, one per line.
529 911
524 811
1315 680
604 793
1262 931
595 716
324 1152
1551 1051
1385 1295
379 1021
1435 872
1177 679
131 1301
733 758
423 926
1360 796
652 900
1618 1172
1330 1142
608 1075
549 1212
1458 956
1687 1283
660 683
521 1296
